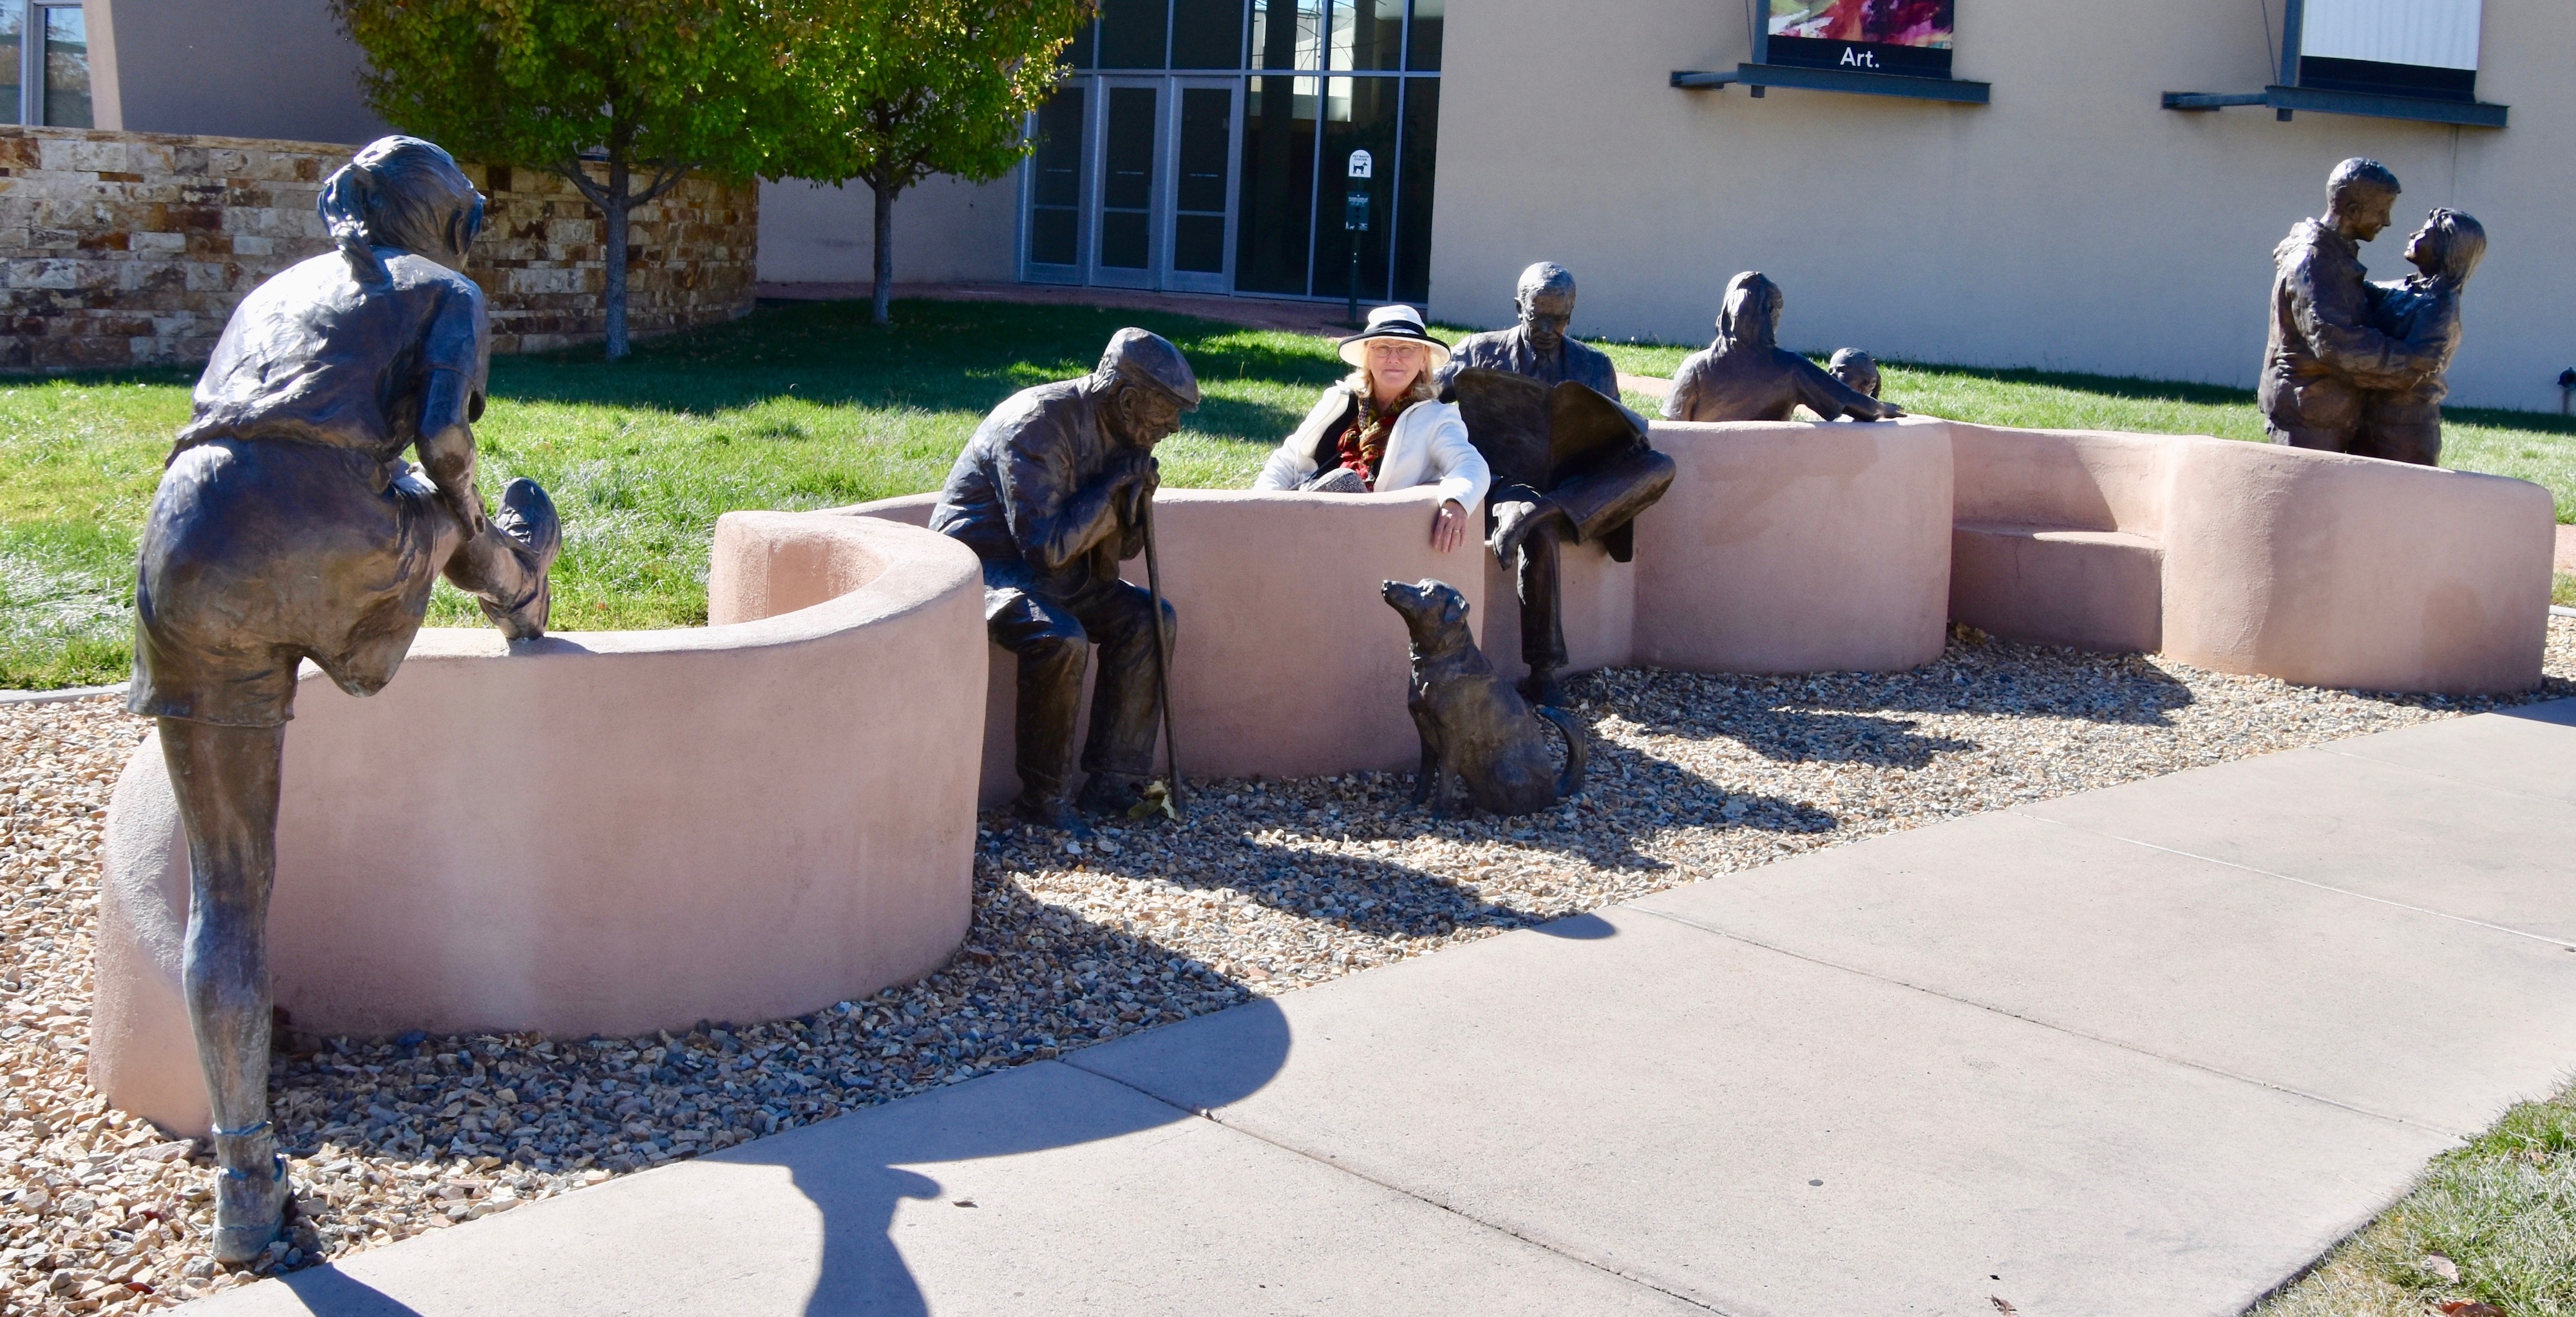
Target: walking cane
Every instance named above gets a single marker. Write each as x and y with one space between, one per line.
1162 653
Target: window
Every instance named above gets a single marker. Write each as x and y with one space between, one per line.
44 64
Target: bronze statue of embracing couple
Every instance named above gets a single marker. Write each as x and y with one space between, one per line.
2353 366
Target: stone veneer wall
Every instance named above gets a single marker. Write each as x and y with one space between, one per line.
124 249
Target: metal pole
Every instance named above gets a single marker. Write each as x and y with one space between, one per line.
1352 312
1162 654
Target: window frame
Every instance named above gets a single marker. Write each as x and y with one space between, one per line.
30 109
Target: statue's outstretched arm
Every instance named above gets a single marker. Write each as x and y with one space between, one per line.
1831 398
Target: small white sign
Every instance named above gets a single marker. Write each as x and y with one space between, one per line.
1363 165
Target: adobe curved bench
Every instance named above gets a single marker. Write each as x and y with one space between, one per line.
2317 568
604 832
1781 548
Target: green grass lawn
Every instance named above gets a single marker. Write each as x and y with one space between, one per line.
2493 1222
805 405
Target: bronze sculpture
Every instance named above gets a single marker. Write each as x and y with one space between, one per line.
1475 729
2404 424
287 526
1053 492
1856 369
1533 508
1745 375
1538 345
1568 465
2320 355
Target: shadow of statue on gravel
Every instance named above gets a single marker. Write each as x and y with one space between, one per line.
1847 717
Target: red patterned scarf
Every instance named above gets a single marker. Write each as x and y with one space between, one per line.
1362 445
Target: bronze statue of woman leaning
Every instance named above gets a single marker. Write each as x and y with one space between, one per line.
289 526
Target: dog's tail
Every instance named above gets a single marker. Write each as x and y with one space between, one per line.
1577 751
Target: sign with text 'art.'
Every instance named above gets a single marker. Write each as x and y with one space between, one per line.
1905 37
2393 47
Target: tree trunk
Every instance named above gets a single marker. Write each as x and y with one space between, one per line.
885 194
620 203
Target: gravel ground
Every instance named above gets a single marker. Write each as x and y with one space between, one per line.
1271 886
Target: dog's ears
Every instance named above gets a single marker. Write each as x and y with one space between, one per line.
1453 606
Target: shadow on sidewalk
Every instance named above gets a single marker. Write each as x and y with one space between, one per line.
859 1173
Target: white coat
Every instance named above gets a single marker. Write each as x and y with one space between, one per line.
1429 446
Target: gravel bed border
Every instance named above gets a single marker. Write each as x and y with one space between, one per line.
1270 886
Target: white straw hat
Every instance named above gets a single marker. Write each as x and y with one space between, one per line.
1398 322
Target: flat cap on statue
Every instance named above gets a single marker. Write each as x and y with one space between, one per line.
1150 359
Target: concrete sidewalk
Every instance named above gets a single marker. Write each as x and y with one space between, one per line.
2146 1050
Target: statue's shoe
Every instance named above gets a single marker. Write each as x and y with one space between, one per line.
1051 812
1112 794
529 520
250 1211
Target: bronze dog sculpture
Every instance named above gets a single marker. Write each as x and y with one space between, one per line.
1475 728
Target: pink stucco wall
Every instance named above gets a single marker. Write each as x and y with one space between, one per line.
605 832
1797 548
1288 661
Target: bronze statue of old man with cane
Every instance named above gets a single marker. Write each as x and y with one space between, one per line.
1054 490
288 526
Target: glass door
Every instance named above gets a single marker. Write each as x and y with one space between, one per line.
1201 258
1057 167
1128 232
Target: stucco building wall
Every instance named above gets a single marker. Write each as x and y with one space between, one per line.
233 68
946 230
2073 223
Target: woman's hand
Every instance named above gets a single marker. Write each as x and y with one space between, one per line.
1449 527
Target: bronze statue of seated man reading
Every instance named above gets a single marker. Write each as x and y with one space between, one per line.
1569 463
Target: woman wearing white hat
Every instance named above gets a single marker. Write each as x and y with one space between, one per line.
1385 429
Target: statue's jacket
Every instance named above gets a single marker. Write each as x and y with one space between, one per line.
1012 495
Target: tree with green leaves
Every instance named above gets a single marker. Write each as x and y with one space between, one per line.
896 91
602 92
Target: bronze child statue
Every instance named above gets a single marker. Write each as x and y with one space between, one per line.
1475 728
1052 493
1745 375
288 527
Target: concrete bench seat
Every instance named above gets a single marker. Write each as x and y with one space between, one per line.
2092 589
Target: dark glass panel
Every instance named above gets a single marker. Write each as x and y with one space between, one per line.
1131 33
1055 203
1288 34
1207 138
1368 34
1275 216
1084 52
1207 123
1127 177
1424 53
1122 240
1198 244
1359 115
1413 190
1055 236
66 68
1207 34
12 54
